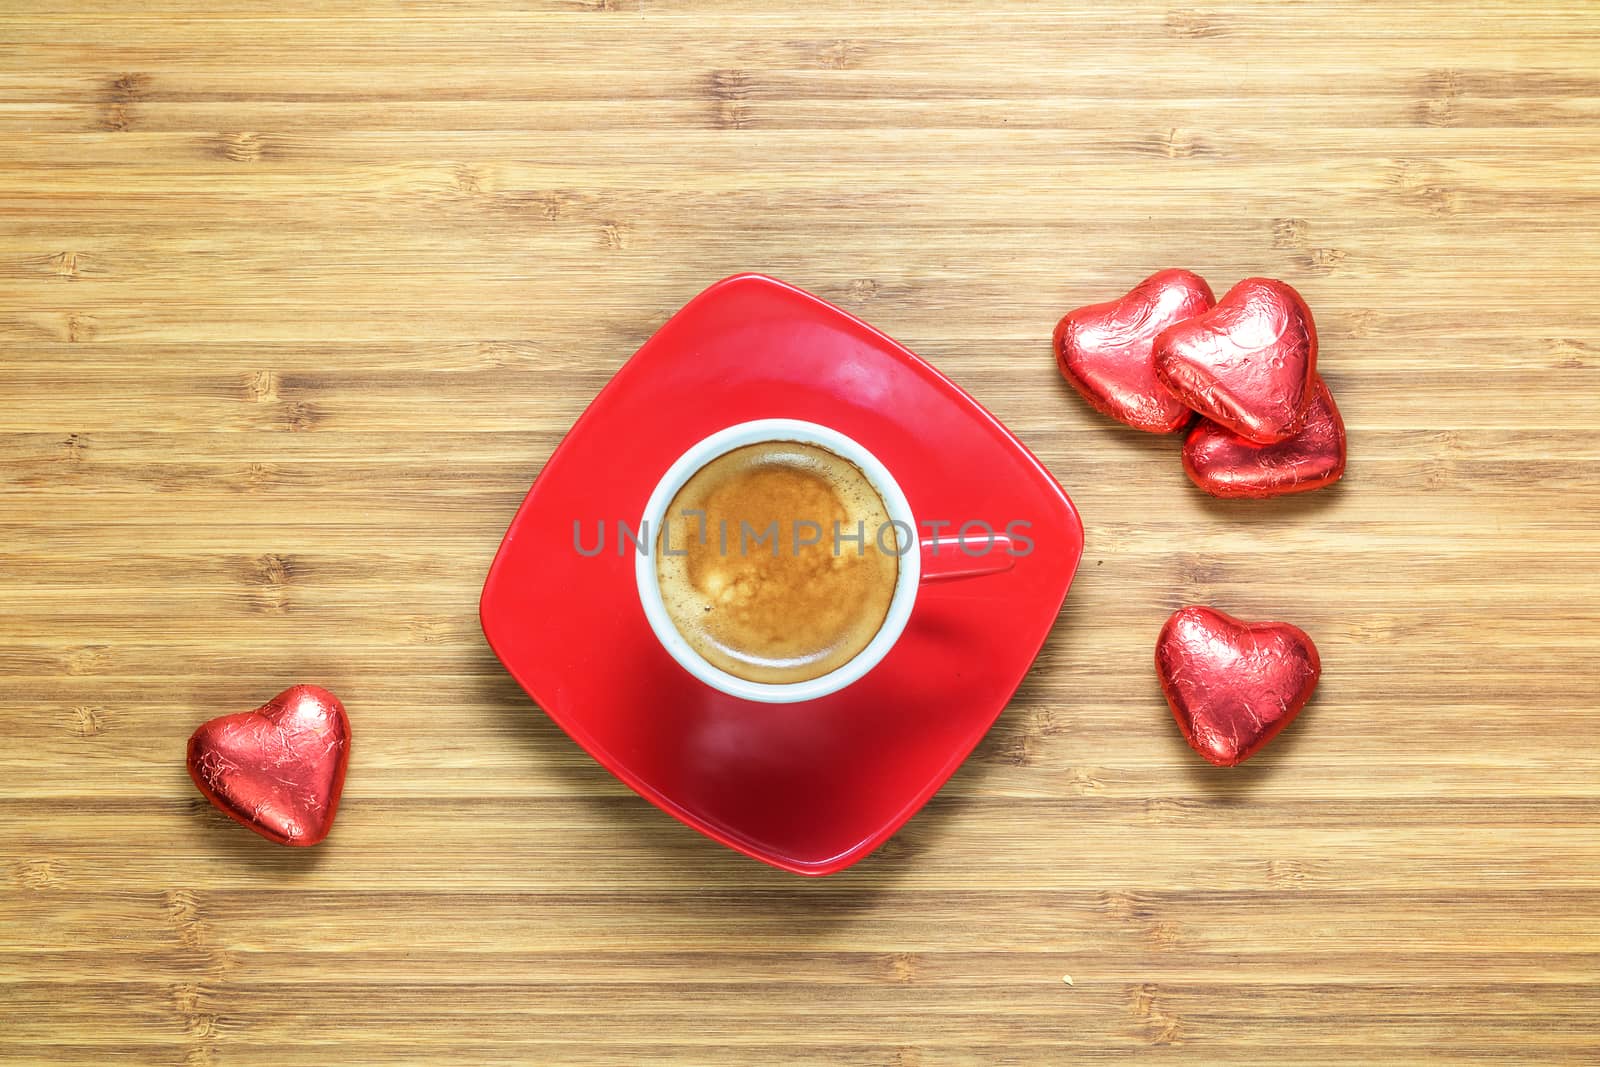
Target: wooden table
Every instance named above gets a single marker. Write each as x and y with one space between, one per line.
296 298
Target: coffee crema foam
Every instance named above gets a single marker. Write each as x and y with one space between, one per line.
789 615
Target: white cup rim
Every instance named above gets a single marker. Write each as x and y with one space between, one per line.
907 578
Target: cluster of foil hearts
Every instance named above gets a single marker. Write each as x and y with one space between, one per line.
1246 364
1267 425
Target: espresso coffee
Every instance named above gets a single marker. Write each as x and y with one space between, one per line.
777 561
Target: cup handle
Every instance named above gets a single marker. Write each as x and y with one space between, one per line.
945 559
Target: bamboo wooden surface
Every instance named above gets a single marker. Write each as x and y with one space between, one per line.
296 298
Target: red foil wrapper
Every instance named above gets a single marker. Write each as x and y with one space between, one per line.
1227 465
1233 686
1246 364
1105 350
278 769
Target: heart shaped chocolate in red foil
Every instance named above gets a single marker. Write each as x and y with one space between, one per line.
1233 685
1247 363
1227 465
1104 350
278 769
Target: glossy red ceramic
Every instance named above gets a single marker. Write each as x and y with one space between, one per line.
809 787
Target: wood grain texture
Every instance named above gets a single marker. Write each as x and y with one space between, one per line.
296 298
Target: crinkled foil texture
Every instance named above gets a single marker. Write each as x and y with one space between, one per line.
1232 685
1225 464
279 769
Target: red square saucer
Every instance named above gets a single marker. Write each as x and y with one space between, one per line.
810 787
